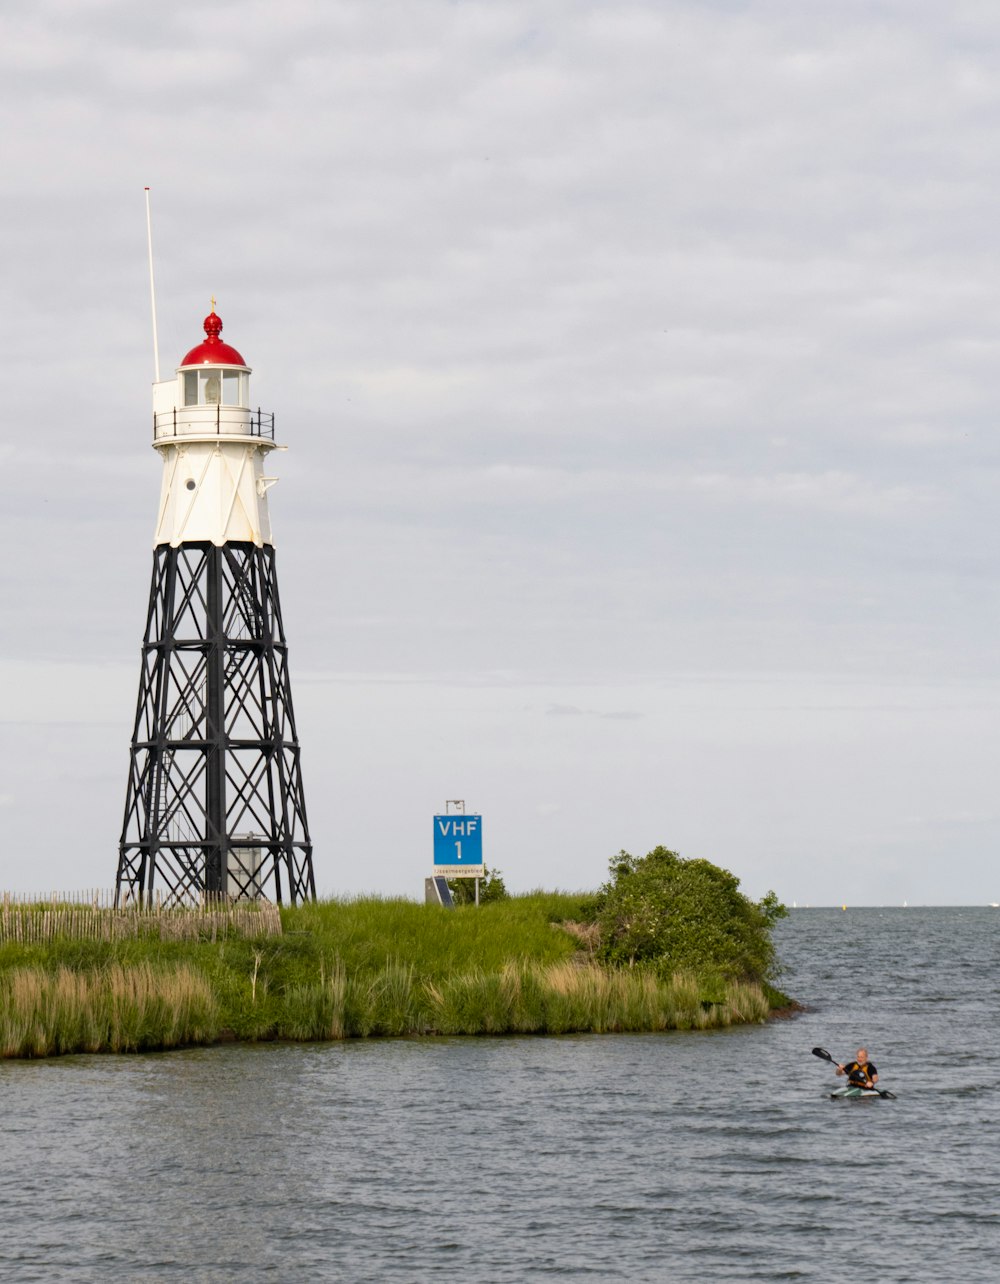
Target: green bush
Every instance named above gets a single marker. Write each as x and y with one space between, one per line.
674 914
491 888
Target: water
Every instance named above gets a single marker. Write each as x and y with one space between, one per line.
671 1158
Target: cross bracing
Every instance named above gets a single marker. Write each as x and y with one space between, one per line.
215 802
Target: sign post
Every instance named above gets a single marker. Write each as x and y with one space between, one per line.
458 846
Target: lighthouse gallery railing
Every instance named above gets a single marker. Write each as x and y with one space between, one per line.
198 421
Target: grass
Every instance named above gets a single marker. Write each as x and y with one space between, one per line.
357 968
437 941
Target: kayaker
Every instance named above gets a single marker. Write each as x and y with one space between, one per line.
860 1071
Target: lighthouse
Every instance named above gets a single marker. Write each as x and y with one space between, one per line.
214 804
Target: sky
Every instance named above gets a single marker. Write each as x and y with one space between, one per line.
638 364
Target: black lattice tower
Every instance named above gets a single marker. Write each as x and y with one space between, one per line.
214 803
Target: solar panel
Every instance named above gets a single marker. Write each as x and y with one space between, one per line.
437 892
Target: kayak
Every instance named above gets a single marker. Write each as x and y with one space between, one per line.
851 1091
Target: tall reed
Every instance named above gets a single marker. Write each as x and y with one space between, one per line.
519 998
116 1010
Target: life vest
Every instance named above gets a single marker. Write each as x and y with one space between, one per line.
859 1074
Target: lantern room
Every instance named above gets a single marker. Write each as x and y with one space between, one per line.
210 395
215 387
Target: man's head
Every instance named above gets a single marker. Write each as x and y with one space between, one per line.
862 1056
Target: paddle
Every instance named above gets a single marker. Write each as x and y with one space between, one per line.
882 1092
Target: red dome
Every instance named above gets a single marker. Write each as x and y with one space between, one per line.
212 351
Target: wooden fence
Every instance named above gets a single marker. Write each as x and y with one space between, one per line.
93 916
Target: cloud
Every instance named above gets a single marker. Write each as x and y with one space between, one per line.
831 490
616 339
572 711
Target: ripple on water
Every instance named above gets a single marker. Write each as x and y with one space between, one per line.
679 1157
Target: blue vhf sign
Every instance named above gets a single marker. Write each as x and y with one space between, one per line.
458 846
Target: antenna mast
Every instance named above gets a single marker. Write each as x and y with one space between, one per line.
152 289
